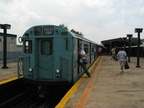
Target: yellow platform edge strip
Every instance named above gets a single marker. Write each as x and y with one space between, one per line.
69 94
6 77
9 80
6 81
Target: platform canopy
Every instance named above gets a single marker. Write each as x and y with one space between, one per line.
9 35
117 42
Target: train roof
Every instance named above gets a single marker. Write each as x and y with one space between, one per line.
81 37
64 30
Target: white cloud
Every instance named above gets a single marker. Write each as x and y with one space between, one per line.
97 19
141 11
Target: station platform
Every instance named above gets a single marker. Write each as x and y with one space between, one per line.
109 87
8 74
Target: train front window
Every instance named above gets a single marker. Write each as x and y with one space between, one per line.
28 46
48 30
46 47
38 31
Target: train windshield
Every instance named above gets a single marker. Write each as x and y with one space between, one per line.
38 31
46 31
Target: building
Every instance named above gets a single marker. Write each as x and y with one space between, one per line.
11 42
12 53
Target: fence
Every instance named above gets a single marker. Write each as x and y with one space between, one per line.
11 56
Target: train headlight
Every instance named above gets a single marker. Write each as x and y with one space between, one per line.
57 70
30 69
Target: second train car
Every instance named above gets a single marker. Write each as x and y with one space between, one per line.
50 55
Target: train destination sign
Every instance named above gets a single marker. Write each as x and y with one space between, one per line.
48 30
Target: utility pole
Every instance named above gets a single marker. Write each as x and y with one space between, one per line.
138 30
129 51
5 27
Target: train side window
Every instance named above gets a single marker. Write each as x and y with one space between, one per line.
28 46
93 49
46 47
86 48
38 31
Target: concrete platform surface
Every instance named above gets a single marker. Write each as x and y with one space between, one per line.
10 72
113 88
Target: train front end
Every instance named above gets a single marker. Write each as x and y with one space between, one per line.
46 56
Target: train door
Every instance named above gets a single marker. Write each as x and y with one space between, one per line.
75 57
46 59
79 45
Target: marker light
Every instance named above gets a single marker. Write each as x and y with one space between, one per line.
57 71
30 69
26 34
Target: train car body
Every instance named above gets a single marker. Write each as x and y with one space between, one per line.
50 55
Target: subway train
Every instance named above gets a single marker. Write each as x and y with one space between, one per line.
50 56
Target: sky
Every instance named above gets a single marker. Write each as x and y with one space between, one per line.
98 20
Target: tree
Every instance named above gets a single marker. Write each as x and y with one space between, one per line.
135 39
63 26
142 40
77 32
72 30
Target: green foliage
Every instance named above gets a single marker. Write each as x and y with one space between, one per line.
134 39
72 30
142 41
63 26
77 32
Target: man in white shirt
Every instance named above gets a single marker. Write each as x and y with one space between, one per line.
122 58
82 55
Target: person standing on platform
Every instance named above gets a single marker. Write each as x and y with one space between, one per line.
82 55
99 51
122 58
113 51
116 51
95 55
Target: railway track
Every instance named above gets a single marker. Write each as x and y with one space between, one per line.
16 95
